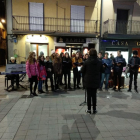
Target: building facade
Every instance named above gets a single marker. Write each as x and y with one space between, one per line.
43 25
120 27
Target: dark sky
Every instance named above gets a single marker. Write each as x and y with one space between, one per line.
2 8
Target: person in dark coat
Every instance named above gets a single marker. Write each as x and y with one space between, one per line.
118 64
91 72
49 70
67 62
134 63
61 79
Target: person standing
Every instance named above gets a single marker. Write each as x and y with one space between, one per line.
100 57
57 68
42 73
134 63
118 64
52 55
111 56
67 69
107 64
91 72
62 58
76 62
49 70
32 72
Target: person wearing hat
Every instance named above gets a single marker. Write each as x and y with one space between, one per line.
134 63
52 55
67 69
76 63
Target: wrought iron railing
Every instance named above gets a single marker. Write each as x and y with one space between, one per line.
49 24
112 26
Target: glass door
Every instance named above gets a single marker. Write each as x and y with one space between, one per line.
38 48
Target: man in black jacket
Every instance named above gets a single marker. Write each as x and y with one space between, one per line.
133 64
118 64
49 70
91 72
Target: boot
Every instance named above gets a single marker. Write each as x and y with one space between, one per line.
136 89
52 87
66 87
42 91
39 92
129 90
35 94
69 87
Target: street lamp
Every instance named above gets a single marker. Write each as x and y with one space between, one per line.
3 20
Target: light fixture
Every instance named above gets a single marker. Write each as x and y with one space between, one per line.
3 20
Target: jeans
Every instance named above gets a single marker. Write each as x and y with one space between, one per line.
135 73
67 74
117 75
91 94
77 76
46 82
106 77
40 85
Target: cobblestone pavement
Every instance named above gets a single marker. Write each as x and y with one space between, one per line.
58 116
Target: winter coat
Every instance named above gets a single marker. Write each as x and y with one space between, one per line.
31 69
115 61
91 71
134 61
48 65
107 69
42 72
57 66
74 60
67 64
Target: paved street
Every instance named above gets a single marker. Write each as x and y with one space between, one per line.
58 116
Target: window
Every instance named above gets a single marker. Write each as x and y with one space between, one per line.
77 18
36 16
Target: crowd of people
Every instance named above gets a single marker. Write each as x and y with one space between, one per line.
92 69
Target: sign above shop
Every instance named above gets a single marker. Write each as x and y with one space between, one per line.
122 42
71 40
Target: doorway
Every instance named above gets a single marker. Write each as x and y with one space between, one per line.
38 48
122 21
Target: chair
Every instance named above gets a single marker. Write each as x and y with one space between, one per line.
7 78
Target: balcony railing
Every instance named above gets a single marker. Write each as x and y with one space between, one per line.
131 27
53 25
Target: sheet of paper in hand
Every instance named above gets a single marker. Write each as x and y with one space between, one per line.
79 68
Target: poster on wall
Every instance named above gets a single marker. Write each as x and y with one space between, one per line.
59 50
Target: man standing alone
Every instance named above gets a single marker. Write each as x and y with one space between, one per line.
118 62
134 63
91 73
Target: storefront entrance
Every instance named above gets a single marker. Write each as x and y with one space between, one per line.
38 48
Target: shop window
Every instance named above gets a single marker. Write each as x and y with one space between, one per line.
77 18
36 16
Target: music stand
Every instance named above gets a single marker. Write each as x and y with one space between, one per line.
85 102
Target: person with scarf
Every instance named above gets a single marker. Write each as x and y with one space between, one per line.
76 63
67 69
57 69
32 72
134 63
42 73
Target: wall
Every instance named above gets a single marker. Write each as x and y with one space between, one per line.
20 46
20 7
110 8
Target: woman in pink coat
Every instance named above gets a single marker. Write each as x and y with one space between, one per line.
32 72
42 73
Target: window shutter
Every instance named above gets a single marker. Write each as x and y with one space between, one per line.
36 14
77 18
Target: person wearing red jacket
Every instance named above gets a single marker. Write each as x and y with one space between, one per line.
42 73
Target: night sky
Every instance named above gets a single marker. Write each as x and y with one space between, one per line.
2 8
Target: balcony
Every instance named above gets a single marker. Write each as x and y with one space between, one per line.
55 26
126 29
